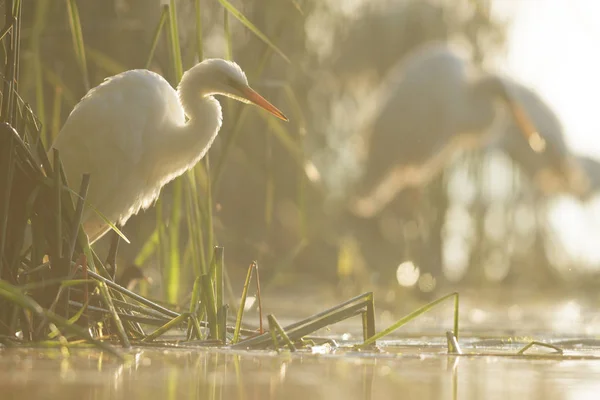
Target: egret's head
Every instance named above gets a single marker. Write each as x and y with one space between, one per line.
226 77
216 76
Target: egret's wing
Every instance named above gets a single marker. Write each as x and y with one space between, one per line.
104 136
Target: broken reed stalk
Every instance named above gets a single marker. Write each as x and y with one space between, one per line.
275 327
240 314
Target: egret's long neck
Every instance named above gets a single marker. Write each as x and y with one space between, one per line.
204 122
189 142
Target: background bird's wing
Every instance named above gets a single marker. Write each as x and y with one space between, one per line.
414 124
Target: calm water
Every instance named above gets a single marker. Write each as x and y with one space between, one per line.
408 372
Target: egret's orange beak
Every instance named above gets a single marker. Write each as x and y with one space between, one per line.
253 97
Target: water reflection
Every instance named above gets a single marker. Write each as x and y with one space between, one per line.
182 374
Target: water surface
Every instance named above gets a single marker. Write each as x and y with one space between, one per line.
406 370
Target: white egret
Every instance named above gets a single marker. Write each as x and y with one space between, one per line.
130 133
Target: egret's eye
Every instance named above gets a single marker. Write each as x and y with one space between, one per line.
232 82
235 85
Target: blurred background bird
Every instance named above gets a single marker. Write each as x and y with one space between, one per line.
434 105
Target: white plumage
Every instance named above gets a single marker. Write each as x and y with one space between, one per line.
130 133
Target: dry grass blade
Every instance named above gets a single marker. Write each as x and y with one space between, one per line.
240 17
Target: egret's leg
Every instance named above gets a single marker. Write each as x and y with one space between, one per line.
111 260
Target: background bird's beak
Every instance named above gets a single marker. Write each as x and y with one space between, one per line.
526 126
260 101
538 144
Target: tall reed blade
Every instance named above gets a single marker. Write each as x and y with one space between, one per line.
199 47
194 303
174 39
58 204
170 258
78 44
227 30
240 315
8 88
164 15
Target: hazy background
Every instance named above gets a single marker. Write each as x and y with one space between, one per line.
282 188
549 46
